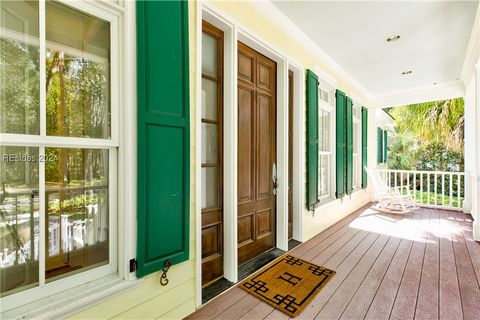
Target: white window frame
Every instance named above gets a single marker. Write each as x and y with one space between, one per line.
87 287
330 108
357 140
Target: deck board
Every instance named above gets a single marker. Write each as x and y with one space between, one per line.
405 301
424 265
469 290
427 301
362 298
450 305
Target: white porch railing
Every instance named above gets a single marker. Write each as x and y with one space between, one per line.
436 189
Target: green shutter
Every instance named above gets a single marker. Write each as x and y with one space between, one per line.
312 140
379 145
385 145
364 146
163 134
349 147
340 134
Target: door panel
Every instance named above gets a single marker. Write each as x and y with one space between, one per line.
265 133
290 154
256 153
246 144
245 67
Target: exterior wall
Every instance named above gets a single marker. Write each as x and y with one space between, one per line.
330 213
176 300
150 300
248 15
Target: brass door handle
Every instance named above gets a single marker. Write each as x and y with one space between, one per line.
275 179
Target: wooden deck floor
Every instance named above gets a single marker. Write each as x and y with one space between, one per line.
424 265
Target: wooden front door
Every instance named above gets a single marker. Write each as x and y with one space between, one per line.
256 153
290 154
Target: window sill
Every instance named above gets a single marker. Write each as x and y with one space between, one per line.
325 201
74 300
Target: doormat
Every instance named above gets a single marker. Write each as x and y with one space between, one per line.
288 284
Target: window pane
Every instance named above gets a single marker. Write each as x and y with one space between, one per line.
19 219
78 67
76 195
323 95
19 67
355 136
209 55
324 182
324 130
209 99
209 188
209 143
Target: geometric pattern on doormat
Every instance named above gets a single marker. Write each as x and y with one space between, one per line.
288 283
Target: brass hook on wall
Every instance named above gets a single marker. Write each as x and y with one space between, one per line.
166 266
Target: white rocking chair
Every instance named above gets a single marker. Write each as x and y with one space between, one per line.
391 199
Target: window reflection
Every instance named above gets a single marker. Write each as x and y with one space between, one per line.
77 209
19 67
77 79
19 218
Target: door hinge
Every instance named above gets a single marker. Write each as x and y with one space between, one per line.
133 265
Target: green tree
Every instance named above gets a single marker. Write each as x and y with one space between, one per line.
438 121
402 151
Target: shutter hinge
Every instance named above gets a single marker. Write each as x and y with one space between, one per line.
133 265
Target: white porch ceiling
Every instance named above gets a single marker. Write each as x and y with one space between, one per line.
434 36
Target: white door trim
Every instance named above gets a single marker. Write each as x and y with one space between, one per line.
234 32
298 147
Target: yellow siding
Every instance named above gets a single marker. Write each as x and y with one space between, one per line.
175 301
151 300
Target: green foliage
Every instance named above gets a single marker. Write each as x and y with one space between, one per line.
20 87
428 136
438 121
402 151
425 198
74 205
435 156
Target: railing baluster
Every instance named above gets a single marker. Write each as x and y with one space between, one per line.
414 186
458 190
421 188
443 195
428 188
451 189
443 190
401 182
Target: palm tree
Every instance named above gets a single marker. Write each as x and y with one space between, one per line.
438 121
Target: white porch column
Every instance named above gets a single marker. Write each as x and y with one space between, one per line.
469 143
372 144
476 175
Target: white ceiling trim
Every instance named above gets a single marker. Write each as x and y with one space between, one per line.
283 22
448 90
473 51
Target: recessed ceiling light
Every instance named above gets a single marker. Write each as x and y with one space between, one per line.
407 72
393 38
